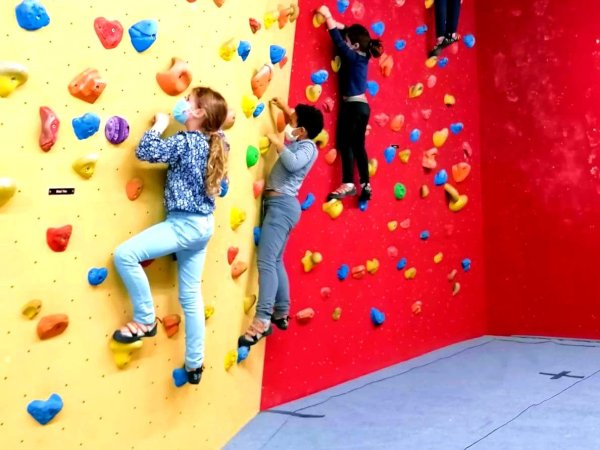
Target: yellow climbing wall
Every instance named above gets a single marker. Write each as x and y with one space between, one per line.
138 406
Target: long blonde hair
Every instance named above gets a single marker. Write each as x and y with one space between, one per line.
216 112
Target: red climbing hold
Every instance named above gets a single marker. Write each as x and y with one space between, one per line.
50 125
254 25
171 324
231 254
53 325
58 238
147 262
109 32
358 272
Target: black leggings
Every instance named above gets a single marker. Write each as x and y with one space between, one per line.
446 16
350 139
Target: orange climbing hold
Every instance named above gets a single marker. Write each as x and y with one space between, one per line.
417 308
461 171
424 191
280 122
452 275
397 122
305 315
336 63
455 288
386 63
238 268
429 161
287 14
171 324
261 79
134 188
53 325
87 86
359 272
330 156
58 238
257 187
176 79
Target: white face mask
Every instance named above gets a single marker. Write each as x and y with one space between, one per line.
288 130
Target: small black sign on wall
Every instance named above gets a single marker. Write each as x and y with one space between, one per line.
61 191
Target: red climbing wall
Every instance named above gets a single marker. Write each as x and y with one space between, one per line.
540 73
324 352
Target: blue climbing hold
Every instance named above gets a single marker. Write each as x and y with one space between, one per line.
86 125
469 40
143 34
277 53
378 28
45 410
424 235
400 45
457 127
415 135
377 317
308 201
179 377
390 153
373 88
244 49
422 29
258 110
319 77
443 62
466 264
256 234
401 264
97 276
242 353
224 187
363 205
31 15
440 178
342 5
343 272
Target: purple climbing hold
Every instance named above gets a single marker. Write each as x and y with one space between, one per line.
116 130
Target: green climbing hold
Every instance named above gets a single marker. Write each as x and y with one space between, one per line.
399 191
252 155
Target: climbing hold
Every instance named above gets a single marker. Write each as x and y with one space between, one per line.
319 77
7 189
404 156
52 325
336 63
116 130
230 359
399 191
87 86
442 62
43 411
378 28
452 275
134 188
97 275
313 92
219 3
260 80
392 225
377 317
258 110
415 135
372 88
401 264
469 40
421 29
397 123
372 167
405 224
264 144
176 79
232 252
287 13
143 34
381 119
270 18
466 264
389 153
243 49
400 45
431 62
31 15
236 217
424 191
328 104
428 4
122 352
431 81
326 292
257 187
337 313
456 127
171 324
342 5
461 171
467 150
426 113
440 178
147 262
308 201
256 235
228 49
343 271
252 155
429 162
109 32
392 251
437 258
276 53
242 354
410 274
330 156
457 201
254 25
333 208
372 266
12 75
363 205
310 259
305 315
31 309
358 272
50 125
86 165
416 90
417 307
424 235
455 288
180 377
322 139
449 100
440 137
238 268
249 302
386 64
58 238
86 125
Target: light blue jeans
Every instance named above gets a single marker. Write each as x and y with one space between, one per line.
186 235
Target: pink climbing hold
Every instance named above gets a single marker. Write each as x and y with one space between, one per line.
328 104
50 125
392 251
325 292
358 10
381 119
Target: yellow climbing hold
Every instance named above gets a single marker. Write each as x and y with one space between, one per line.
372 266
249 302
404 156
209 310
428 4
318 20
230 359
424 191
86 165
270 18
392 225
336 63
372 167
449 100
455 288
236 217
264 145
438 257
31 309
410 274
416 90
431 62
333 208
310 259
322 139
249 103
7 189
457 201
12 75
313 92
122 352
440 137
229 49
337 312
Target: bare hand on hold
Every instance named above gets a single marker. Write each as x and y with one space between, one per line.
277 102
276 141
324 11
161 122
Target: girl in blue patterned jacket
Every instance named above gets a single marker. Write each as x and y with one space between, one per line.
197 164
